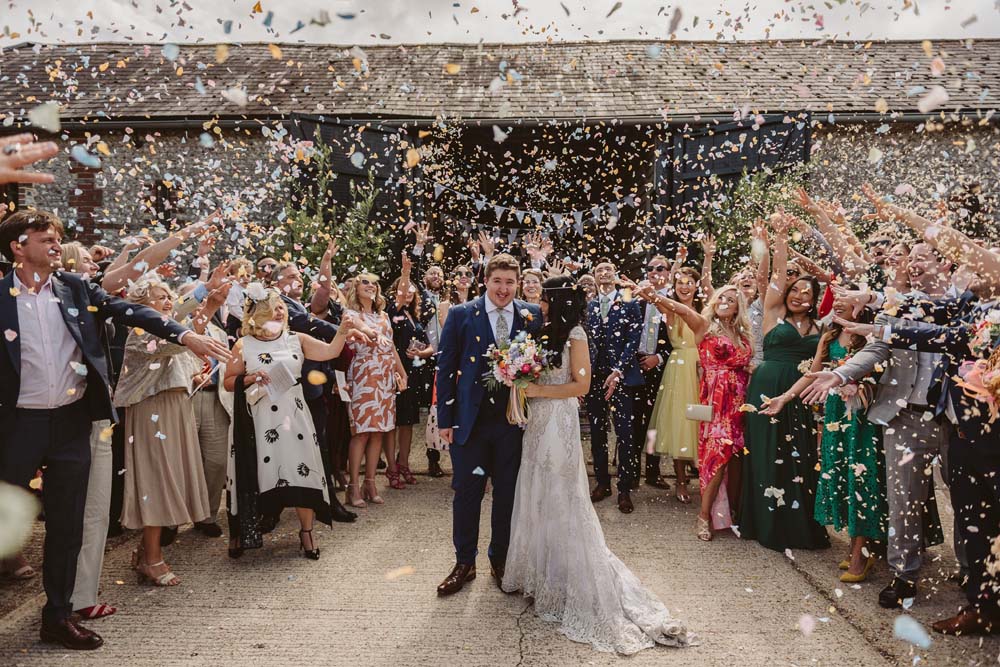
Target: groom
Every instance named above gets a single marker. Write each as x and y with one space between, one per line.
473 420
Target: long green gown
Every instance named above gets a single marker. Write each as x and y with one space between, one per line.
779 473
851 491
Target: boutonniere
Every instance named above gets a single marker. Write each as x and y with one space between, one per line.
526 314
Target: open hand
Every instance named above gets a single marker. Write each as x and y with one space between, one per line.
823 383
206 347
19 151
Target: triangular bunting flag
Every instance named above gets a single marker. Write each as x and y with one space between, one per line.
438 189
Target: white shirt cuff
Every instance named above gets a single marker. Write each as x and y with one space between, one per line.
878 302
887 333
418 250
843 378
180 338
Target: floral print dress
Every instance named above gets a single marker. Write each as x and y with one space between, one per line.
372 377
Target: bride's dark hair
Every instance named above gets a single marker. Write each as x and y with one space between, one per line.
567 305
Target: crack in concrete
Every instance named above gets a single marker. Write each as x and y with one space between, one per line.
521 637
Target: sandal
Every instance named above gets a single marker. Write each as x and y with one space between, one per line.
97 611
168 578
311 554
23 573
683 497
394 481
407 474
355 500
704 530
372 493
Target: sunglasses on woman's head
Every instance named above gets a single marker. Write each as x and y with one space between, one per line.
265 267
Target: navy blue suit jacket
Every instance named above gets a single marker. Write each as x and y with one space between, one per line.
300 320
615 344
85 309
461 363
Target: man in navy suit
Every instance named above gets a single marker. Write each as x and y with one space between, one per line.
974 453
53 384
615 328
473 420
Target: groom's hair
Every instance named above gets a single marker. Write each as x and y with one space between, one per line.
502 262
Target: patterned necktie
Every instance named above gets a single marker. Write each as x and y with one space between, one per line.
605 306
652 329
503 329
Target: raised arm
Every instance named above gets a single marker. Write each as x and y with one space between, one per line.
764 263
404 281
853 264
320 302
774 295
708 249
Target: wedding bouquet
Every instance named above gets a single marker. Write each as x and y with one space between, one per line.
980 379
515 364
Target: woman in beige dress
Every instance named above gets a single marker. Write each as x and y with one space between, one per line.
164 476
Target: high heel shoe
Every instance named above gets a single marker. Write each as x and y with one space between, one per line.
849 578
394 481
355 499
704 530
311 555
407 474
237 551
371 492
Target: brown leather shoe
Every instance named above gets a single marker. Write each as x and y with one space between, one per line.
625 505
497 568
968 622
599 493
71 636
459 575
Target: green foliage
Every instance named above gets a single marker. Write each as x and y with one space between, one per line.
313 218
754 196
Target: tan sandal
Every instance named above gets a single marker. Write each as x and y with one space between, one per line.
166 579
355 499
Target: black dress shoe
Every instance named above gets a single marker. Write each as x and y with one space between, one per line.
70 635
208 529
625 505
657 482
434 469
167 535
892 596
600 493
459 576
340 513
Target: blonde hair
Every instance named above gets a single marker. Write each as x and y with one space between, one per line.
72 256
141 291
241 267
351 300
740 326
256 314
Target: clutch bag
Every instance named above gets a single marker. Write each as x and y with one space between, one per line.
698 412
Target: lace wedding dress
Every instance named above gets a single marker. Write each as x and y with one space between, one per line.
557 552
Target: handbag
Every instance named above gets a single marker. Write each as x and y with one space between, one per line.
698 413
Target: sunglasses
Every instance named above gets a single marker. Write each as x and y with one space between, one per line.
265 267
465 274
792 272
659 268
366 282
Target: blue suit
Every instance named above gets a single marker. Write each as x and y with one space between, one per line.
614 345
973 454
485 444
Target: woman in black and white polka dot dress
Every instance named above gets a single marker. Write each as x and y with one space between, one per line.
289 463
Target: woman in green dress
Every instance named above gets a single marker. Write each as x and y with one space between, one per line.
779 474
851 491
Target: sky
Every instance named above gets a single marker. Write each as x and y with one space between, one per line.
423 21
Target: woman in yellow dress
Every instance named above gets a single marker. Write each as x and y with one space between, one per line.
677 435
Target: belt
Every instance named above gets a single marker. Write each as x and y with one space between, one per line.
210 387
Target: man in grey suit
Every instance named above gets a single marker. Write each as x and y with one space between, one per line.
905 405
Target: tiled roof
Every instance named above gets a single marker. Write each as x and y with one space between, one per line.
625 79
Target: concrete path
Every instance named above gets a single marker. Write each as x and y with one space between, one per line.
370 600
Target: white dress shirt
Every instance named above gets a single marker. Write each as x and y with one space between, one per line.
493 312
651 329
52 370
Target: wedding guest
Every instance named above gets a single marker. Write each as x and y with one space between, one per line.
266 269
42 426
851 486
722 333
96 519
413 350
276 461
240 272
164 474
908 389
431 295
654 348
375 375
677 435
531 286
588 284
779 473
895 267
614 326
463 286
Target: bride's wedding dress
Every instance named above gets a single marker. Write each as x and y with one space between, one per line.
557 552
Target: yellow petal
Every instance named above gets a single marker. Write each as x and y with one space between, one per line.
452 68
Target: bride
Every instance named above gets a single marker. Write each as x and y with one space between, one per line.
557 553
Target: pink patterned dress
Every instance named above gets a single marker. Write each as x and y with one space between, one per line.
372 379
723 386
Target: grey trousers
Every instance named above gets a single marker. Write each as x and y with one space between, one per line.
911 443
95 518
212 422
